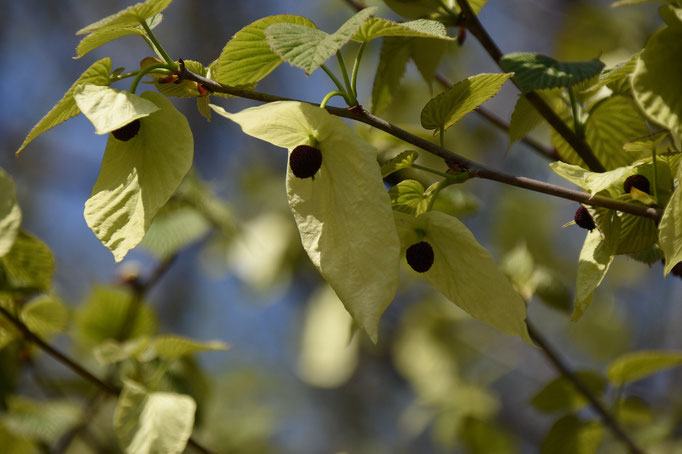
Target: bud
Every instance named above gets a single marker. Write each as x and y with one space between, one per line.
420 256
127 132
584 219
636 181
305 161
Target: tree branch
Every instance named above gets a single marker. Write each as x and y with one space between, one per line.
472 24
565 370
453 160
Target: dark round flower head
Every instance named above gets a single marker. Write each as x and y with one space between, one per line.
420 256
305 161
127 132
636 181
584 219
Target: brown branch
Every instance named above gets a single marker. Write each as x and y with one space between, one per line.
452 159
606 417
472 24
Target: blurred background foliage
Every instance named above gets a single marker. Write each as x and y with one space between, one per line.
297 379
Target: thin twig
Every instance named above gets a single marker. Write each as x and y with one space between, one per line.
453 160
472 24
566 371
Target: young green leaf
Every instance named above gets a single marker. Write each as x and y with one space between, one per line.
524 119
618 77
10 213
395 53
308 48
112 352
376 27
139 176
409 197
655 82
594 182
635 366
29 264
109 109
403 161
97 74
101 37
174 347
670 229
465 272
570 435
594 262
174 228
448 107
354 245
45 315
45 421
247 57
561 395
153 422
186 88
538 72
129 17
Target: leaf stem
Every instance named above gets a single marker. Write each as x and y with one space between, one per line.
607 418
575 110
654 162
157 45
143 72
334 79
164 72
330 95
346 80
454 160
583 150
356 69
426 169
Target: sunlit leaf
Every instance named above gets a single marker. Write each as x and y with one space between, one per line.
352 243
538 72
138 177
593 264
173 229
45 421
670 228
109 109
414 9
635 366
376 27
308 48
45 315
97 74
129 17
101 37
153 422
409 197
184 89
403 161
29 264
174 347
656 85
448 107
561 395
465 272
618 77
395 53
111 352
10 213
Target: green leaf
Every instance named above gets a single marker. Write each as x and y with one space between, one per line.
655 82
403 161
395 53
338 233
10 213
109 109
594 182
45 315
45 421
633 410
635 2
570 435
129 17
670 229
427 55
186 88
174 347
538 72
139 176
97 74
635 366
101 37
111 352
173 229
524 119
29 264
448 107
101 316
376 27
414 9
153 423
672 16
594 262
551 289
16 444
465 272
247 57
308 48
409 197
612 123
617 78
561 395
